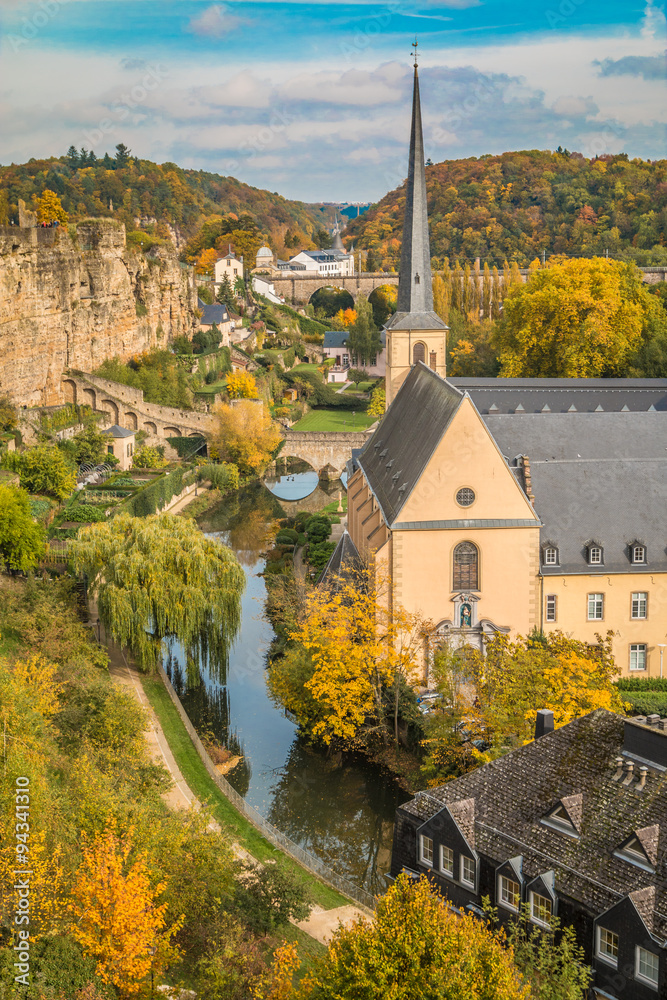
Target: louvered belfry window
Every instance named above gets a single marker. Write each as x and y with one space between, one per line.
418 352
466 567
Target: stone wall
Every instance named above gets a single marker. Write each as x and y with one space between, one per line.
72 301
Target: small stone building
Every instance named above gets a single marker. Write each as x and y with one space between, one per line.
121 444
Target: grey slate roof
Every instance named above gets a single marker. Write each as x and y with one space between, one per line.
345 560
513 793
118 432
504 395
415 321
552 436
336 338
399 450
213 314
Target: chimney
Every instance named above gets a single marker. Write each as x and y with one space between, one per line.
629 770
618 763
544 722
643 772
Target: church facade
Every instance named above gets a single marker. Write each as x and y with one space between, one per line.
503 505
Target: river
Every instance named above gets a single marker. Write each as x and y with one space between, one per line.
341 813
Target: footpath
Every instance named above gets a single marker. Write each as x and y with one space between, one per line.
320 923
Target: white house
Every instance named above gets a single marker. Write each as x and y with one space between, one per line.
335 346
329 263
264 286
231 265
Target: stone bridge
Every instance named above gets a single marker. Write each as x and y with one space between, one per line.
299 286
327 453
125 406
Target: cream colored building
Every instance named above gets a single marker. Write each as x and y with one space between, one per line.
121 444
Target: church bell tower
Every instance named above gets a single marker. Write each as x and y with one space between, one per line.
415 332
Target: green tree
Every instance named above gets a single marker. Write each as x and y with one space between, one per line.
21 538
8 413
415 948
225 293
161 576
122 155
577 318
90 445
364 341
43 469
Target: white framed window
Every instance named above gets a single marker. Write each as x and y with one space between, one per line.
607 946
540 909
550 607
639 605
594 555
595 607
638 656
447 861
647 967
426 850
509 893
638 553
550 556
467 871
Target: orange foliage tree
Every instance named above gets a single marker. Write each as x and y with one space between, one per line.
246 435
116 918
205 262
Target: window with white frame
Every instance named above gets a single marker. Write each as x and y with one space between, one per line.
647 967
447 861
638 656
595 607
607 946
509 893
639 605
550 609
594 555
467 870
540 909
639 554
550 556
426 850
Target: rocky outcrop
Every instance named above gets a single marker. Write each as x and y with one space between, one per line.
70 301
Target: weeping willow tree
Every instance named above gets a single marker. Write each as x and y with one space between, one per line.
160 576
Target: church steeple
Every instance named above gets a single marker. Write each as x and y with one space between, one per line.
415 294
415 332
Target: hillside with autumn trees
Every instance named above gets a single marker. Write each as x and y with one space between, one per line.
520 205
140 193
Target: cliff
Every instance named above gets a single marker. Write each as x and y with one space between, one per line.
73 301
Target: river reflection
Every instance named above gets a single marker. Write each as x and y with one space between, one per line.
341 814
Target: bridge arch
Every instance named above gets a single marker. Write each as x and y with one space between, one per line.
331 298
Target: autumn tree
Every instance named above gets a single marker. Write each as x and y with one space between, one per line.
577 318
21 538
241 385
378 403
43 469
416 947
8 413
245 435
364 342
205 262
49 208
160 576
116 917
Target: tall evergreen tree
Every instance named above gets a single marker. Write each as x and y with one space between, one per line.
72 157
122 155
364 341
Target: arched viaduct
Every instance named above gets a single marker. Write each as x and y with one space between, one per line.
125 406
327 453
298 287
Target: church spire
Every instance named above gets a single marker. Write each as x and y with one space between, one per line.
415 294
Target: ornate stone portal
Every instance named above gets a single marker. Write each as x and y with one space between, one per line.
465 628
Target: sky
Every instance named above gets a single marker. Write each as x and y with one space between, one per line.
311 98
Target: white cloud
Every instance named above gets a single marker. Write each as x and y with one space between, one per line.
216 21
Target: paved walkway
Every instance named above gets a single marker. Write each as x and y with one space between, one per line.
320 924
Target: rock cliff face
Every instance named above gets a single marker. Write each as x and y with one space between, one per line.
72 302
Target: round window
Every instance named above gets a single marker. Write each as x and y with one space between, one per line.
465 497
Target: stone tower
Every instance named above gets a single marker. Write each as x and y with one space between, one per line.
414 332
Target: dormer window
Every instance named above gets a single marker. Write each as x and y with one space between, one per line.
633 852
595 555
550 555
566 816
638 554
540 910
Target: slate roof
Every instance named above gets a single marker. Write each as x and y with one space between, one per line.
415 321
554 436
393 459
559 394
345 560
513 793
213 314
118 432
336 338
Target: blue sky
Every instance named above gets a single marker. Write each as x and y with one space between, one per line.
312 99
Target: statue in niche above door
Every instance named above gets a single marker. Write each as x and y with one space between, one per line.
465 616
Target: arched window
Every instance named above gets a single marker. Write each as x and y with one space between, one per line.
466 576
418 353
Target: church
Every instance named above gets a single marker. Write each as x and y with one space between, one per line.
504 505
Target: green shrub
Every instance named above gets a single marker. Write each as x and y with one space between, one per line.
301 519
642 684
287 536
649 703
302 538
223 476
318 528
149 458
85 512
320 554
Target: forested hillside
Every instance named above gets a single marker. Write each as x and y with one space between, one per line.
126 188
519 205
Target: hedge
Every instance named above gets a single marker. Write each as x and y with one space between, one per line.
156 495
85 512
642 684
649 703
186 446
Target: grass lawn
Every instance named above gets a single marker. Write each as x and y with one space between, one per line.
334 420
359 387
236 825
213 388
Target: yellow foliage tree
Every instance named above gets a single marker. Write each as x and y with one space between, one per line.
441 297
246 435
276 983
205 262
346 317
378 403
241 385
115 917
49 208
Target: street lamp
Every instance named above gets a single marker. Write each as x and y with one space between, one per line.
661 647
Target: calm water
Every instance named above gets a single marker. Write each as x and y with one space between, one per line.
342 813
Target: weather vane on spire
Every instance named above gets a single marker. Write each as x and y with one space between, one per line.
413 51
